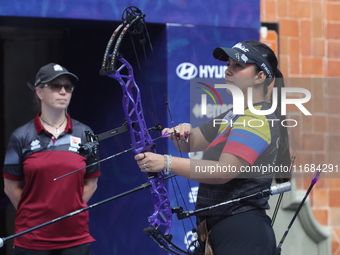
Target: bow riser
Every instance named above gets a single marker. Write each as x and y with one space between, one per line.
142 142
132 106
162 216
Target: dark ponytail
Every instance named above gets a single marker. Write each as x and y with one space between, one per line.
283 154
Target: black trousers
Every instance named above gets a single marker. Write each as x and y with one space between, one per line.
83 249
248 233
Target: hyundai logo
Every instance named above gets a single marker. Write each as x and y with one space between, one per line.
186 71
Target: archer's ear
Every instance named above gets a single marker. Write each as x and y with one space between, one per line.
38 91
260 77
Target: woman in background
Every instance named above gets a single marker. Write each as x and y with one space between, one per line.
40 151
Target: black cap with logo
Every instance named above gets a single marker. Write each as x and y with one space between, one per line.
51 71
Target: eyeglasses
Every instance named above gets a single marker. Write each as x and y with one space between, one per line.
55 87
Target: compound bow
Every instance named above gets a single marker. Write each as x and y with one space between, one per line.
161 220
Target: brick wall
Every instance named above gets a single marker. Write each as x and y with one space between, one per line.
310 49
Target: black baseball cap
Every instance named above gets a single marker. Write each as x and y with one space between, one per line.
51 71
244 53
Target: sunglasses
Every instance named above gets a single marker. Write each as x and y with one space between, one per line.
55 87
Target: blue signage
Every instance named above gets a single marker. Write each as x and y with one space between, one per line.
230 13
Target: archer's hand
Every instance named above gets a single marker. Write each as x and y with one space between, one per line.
181 132
150 162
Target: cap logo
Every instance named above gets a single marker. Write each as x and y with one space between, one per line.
264 66
244 58
57 68
241 47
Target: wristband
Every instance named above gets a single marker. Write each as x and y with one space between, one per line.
167 164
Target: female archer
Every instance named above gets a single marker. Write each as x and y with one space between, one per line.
236 228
